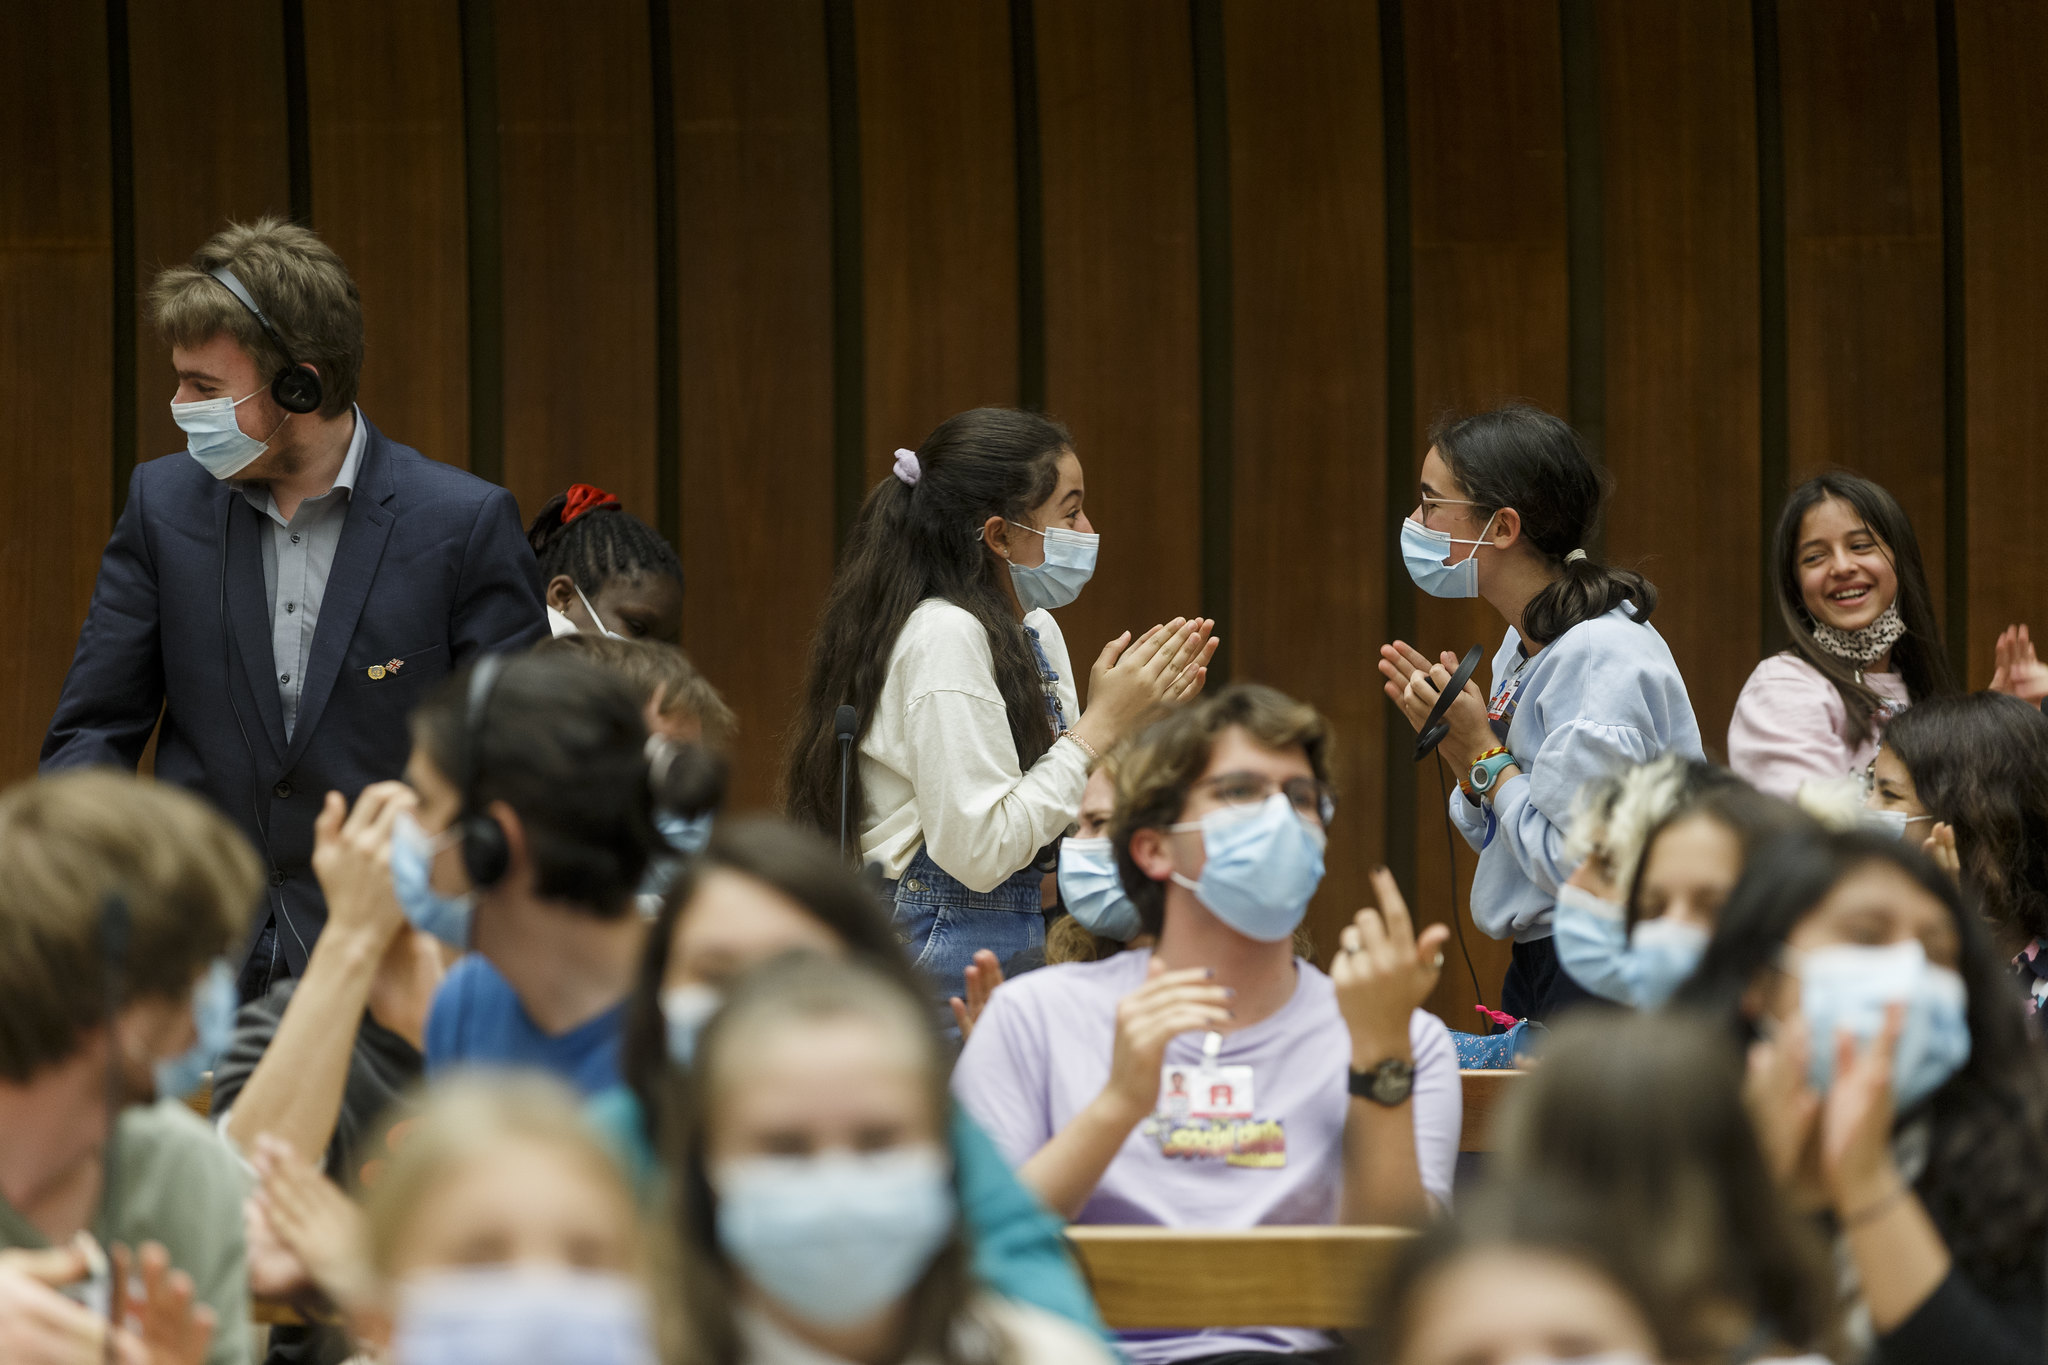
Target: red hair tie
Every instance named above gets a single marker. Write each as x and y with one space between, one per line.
585 497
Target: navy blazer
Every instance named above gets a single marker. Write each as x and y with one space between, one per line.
432 570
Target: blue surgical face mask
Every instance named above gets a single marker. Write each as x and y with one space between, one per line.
1845 989
1069 564
837 1238
215 439
1892 824
1424 552
491 1315
213 1020
1663 953
1093 891
685 1011
447 918
1259 868
1591 937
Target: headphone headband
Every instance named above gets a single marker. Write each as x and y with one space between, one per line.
296 387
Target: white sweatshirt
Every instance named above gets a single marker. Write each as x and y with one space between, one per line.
939 767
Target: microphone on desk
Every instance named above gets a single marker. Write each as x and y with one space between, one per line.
845 722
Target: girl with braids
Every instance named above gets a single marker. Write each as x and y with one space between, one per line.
607 571
1893 1089
972 747
1583 686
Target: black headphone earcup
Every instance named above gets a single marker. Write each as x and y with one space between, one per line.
296 389
485 854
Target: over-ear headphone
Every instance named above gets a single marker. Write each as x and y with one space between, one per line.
485 853
296 387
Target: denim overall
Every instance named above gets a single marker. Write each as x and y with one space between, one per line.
943 924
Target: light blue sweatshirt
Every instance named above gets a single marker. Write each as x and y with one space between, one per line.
1604 696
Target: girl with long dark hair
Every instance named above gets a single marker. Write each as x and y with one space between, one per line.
1893 1088
972 747
1583 685
1966 778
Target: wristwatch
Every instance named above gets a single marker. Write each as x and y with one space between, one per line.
1486 770
1388 1084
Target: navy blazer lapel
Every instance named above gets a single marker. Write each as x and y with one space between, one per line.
348 585
248 623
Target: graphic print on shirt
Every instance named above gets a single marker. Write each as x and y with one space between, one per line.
1207 1112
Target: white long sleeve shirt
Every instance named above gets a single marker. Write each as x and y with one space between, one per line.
938 765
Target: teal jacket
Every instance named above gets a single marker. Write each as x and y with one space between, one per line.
1020 1250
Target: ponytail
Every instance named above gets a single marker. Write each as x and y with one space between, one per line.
1520 456
918 536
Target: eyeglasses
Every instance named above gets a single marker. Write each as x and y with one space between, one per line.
1311 799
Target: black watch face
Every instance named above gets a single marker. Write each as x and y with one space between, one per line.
1391 1084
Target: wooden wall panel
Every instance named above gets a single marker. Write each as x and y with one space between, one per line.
1486 158
1863 250
1308 248
384 119
1117 123
209 121
754 263
56 352
576 166
1678 150
938 215
2002 52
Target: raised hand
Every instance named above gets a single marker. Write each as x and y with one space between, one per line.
2018 671
352 859
1413 683
313 1218
173 1329
1166 1006
1940 845
1384 971
1783 1106
1133 678
1856 1119
982 977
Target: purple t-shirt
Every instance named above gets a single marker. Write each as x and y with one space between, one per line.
1281 1160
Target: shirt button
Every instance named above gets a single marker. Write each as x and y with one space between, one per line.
282 791
295 537
290 607
284 677
276 878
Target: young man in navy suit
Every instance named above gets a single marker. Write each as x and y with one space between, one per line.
277 596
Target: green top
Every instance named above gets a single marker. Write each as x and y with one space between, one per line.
175 1182
1020 1248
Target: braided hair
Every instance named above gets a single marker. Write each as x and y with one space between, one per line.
586 534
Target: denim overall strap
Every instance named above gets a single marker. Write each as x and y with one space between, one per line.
1055 714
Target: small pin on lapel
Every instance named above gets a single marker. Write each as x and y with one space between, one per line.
375 671
393 665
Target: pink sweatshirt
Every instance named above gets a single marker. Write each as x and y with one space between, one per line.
1791 726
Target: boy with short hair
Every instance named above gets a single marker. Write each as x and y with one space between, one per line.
1302 1098
122 898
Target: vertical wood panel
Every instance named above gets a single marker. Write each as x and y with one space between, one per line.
576 160
754 242
209 119
1308 245
1863 250
56 352
1117 122
384 111
1683 379
2002 56
939 215
1486 139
